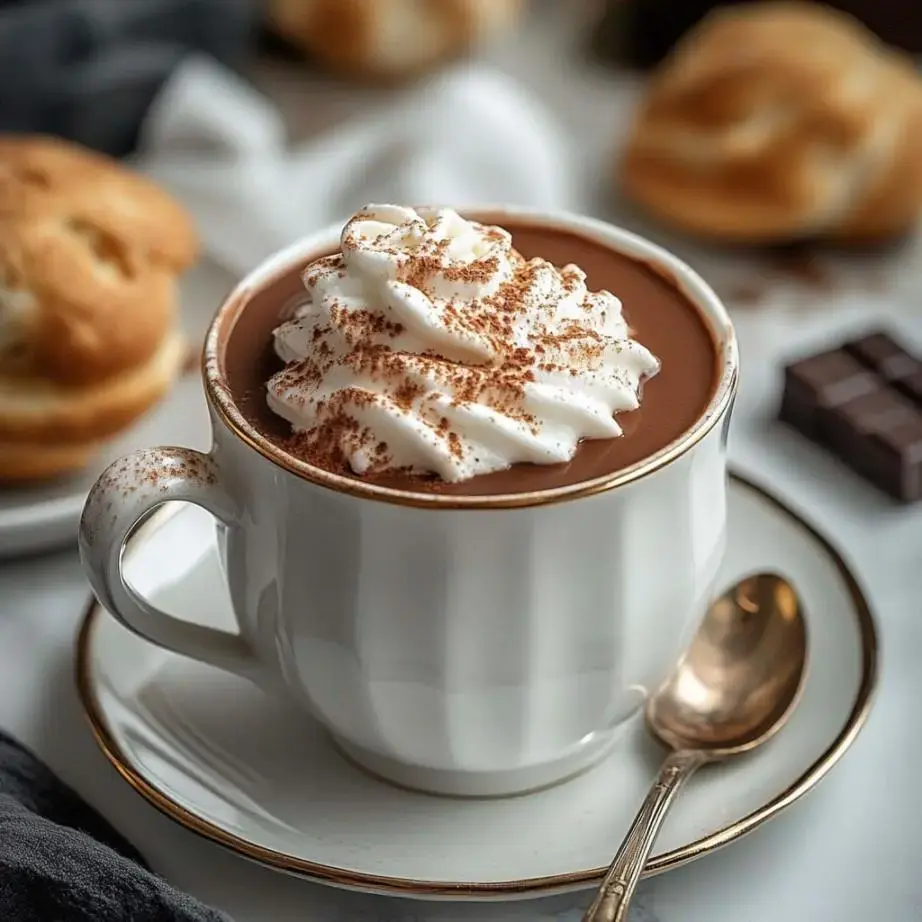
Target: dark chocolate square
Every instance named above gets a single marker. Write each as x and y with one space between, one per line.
863 401
822 382
880 436
878 411
911 387
900 448
881 353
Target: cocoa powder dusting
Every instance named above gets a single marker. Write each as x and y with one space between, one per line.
497 379
659 314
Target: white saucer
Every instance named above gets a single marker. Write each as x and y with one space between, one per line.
45 516
248 772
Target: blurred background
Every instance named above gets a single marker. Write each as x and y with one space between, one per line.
776 145
270 118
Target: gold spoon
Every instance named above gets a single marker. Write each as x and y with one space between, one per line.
734 688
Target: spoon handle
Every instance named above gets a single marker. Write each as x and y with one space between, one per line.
618 886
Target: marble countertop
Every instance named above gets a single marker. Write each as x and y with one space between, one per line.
805 865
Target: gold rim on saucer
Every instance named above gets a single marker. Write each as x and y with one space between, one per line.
529 886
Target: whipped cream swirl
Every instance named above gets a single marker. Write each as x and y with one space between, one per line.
430 345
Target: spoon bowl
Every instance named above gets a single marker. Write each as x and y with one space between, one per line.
742 674
734 688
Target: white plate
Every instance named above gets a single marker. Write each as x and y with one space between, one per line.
248 772
45 516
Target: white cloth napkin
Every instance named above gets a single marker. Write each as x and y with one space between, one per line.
469 136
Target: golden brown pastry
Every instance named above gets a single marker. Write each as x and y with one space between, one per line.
780 121
89 339
388 38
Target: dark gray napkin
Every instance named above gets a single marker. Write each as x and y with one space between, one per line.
88 70
60 861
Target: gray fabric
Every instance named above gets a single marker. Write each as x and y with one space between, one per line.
62 862
89 69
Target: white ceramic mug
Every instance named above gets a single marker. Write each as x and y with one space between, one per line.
464 645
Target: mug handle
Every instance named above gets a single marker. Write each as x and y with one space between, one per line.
125 493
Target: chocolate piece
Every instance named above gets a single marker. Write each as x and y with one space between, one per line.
911 386
881 353
863 402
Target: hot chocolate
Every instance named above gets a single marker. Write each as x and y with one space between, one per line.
604 380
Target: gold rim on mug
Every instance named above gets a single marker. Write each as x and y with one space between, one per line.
532 886
660 260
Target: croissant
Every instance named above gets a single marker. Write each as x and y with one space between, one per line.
776 122
388 38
